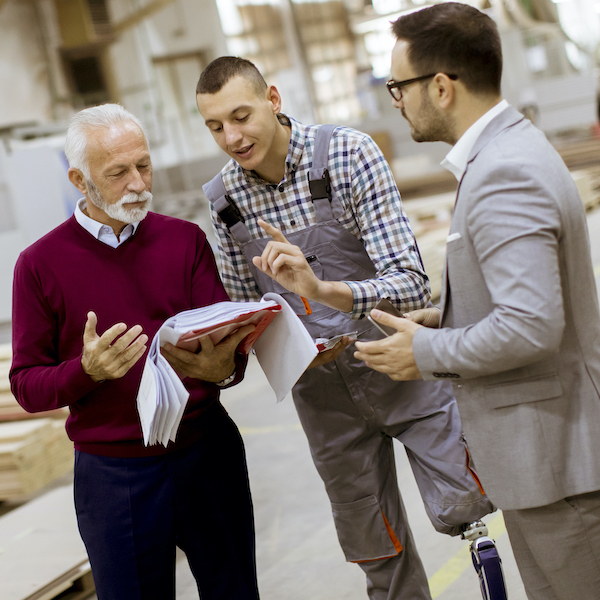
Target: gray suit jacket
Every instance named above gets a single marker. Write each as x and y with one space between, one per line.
520 329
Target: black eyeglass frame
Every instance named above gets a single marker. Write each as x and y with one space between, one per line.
392 85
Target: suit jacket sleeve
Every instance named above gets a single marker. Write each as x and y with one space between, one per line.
512 224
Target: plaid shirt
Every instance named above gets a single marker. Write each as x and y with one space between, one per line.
372 211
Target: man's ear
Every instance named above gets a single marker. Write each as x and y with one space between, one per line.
274 97
77 179
444 90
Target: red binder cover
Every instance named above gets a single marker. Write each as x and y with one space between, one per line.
261 318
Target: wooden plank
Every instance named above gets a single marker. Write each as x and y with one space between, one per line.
41 553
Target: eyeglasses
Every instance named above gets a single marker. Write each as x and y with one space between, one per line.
395 87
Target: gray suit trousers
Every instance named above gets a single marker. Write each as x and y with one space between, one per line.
557 548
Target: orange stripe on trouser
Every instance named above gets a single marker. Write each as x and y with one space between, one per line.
473 474
393 537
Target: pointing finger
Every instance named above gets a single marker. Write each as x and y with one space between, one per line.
272 231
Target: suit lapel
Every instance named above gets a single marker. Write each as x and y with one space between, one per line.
507 118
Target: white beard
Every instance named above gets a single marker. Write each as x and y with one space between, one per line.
118 211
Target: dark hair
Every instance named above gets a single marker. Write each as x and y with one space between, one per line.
222 69
454 38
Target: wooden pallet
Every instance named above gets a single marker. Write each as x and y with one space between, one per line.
42 556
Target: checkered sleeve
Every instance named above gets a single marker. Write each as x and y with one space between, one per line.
386 234
233 266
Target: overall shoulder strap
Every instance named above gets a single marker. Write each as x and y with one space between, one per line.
227 209
318 175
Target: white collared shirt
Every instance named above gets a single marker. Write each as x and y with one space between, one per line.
456 159
101 232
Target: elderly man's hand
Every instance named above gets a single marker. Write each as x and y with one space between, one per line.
392 355
212 363
103 357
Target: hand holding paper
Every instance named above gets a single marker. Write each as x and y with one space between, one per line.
213 363
283 347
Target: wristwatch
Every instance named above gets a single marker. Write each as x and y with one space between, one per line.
227 380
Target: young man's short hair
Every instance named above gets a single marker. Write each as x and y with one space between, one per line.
222 69
454 38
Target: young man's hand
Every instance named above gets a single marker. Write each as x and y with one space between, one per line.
287 265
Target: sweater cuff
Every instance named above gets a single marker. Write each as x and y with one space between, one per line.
74 382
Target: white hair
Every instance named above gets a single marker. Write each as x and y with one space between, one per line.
105 115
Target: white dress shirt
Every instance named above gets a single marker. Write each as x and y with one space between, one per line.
456 159
101 232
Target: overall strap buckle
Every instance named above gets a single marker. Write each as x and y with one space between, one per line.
230 214
320 188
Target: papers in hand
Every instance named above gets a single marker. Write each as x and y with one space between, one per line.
217 321
282 344
162 397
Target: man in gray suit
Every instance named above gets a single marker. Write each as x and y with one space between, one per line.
518 327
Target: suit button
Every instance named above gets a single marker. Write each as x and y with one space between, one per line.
281 188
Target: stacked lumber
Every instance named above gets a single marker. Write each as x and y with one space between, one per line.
33 451
580 153
588 185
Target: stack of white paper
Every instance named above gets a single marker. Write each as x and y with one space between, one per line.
162 397
284 350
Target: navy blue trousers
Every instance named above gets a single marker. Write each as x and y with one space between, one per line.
133 512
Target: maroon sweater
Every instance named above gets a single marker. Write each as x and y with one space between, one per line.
166 267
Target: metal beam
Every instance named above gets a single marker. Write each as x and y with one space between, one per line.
139 15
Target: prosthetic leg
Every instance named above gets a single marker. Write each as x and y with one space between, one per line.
486 561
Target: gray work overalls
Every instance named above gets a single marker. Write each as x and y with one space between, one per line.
350 413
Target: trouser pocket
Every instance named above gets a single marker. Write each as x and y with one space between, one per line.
363 530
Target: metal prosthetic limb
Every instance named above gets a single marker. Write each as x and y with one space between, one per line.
486 561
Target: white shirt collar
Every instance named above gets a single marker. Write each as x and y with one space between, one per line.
103 233
456 159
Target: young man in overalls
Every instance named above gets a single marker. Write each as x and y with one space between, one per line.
347 245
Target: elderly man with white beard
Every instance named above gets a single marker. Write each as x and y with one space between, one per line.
114 264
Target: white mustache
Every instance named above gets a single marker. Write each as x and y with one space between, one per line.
132 198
